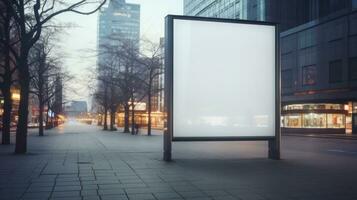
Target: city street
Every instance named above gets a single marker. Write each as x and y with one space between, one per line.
79 161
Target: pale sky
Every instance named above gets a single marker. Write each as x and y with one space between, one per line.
78 42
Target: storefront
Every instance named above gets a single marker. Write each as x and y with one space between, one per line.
142 118
354 118
317 118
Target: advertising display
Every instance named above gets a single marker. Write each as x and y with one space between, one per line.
222 79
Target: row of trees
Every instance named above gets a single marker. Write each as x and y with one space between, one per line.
47 78
126 76
21 25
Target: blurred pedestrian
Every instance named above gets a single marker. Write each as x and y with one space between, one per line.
137 128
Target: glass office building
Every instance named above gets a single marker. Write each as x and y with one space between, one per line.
119 20
318 57
234 9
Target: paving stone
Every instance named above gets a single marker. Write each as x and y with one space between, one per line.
65 194
114 197
89 192
167 195
37 195
111 191
141 197
194 194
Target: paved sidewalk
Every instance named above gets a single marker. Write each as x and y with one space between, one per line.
83 162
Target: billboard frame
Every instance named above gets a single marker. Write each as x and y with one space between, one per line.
273 141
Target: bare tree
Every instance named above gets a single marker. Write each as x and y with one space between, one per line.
101 99
135 75
116 70
31 16
150 59
45 72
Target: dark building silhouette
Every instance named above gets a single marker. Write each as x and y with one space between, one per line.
318 57
76 109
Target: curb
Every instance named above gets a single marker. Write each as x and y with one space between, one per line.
324 136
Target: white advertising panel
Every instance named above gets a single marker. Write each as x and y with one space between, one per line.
223 79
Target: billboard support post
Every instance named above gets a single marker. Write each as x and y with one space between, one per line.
274 144
168 89
274 149
262 118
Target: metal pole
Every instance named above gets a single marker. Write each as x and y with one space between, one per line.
274 144
168 88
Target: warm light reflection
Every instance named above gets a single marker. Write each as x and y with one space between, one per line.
15 96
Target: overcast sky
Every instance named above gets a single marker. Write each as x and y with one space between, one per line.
78 41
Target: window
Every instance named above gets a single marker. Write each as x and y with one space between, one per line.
309 75
335 121
335 71
286 78
353 68
313 120
292 121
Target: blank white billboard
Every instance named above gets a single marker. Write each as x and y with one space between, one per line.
223 79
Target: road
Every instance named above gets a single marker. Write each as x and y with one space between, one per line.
77 161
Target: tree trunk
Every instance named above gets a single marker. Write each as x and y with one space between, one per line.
7 80
126 117
105 126
112 119
21 132
47 112
6 121
149 111
132 116
40 117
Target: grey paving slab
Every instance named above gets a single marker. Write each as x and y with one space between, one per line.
114 197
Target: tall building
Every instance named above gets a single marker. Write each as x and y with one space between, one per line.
234 9
76 108
318 57
119 20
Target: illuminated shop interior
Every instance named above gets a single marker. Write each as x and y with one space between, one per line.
318 116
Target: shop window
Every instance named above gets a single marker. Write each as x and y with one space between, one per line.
335 121
313 120
335 71
309 74
286 79
292 121
353 68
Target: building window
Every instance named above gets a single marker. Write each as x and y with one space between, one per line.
331 116
335 121
353 68
335 71
309 75
292 121
286 78
314 120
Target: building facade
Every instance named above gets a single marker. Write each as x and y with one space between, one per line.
76 108
234 9
318 58
120 21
